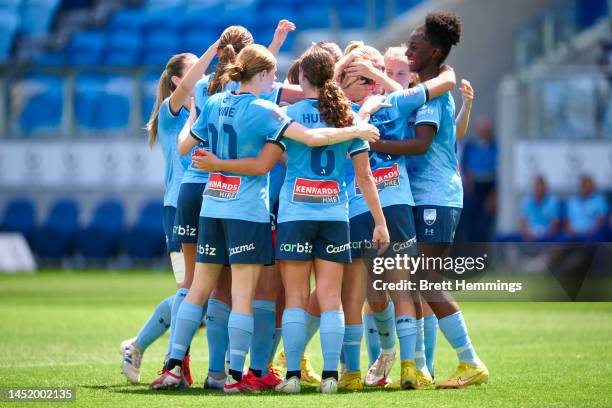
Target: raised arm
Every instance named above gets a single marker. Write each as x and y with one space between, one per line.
366 69
365 180
186 142
330 136
443 83
463 118
280 35
185 88
269 155
415 146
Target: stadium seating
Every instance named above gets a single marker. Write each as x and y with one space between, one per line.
146 239
56 237
37 16
85 48
40 109
101 238
102 102
122 48
9 23
20 216
149 93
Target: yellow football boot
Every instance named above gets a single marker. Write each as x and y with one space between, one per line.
351 381
466 375
309 375
409 377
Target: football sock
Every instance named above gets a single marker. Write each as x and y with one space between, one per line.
240 331
294 337
454 329
385 325
419 354
372 338
312 325
188 320
431 334
406 334
176 303
352 346
216 334
264 317
332 335
157 324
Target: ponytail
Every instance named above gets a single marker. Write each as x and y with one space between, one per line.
335 108
232 41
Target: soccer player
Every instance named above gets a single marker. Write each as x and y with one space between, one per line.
436 183
396 198
234 221
172 107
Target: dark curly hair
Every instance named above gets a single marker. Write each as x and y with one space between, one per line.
443 30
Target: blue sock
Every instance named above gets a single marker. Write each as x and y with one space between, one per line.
264 316
294 337
240 331
419 353
332 335
278 335
430 330
176 303
372 338
312 325
351 347
157 324
216 334
386 327
188 320
406 334
454 329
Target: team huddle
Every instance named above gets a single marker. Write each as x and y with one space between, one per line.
268 183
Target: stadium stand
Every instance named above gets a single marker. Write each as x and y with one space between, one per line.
145 239
57 236
20 216
102 237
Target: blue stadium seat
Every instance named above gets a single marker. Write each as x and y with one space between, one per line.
57 236
37 16
355 16
268 15
149 93
129 19
197 40
9 6
146 237
50 59
101 239
402 6
163 19
102 101
75 4
86 48
41 99
159 46
313 17
20 216
9 22
122 48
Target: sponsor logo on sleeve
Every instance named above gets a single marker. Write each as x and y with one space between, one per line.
316 191
384 177
222 186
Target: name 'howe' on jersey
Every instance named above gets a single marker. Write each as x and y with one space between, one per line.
434 176
314 187
237 126
389 170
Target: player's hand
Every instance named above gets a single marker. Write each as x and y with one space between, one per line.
374 103
467 92
381 239
368 132
282 30
204 160
362 68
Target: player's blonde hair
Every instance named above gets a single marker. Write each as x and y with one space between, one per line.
165 87
232 41
397 52
252 60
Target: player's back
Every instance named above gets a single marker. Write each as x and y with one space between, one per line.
314 187
237 126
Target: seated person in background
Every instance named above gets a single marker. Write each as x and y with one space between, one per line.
586 214
540 214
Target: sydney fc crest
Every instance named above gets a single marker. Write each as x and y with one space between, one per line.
429 216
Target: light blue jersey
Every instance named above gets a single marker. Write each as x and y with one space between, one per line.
582 212
200 94
539 216
314 187
434 176
389 170
237 126
169 126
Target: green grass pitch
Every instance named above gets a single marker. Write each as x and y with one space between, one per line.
64 329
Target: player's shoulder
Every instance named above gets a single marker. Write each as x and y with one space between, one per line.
260 106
